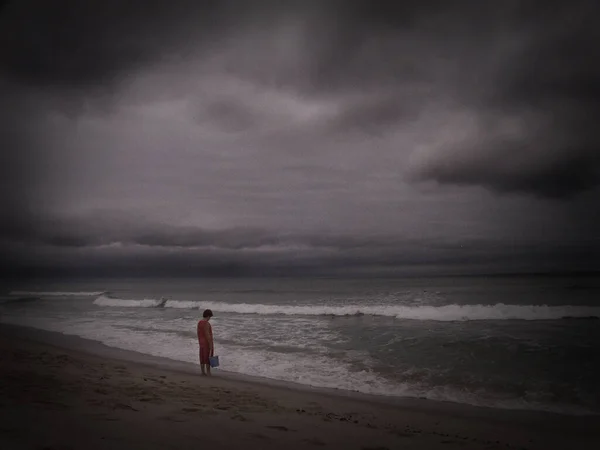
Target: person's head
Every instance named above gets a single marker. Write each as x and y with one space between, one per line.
207 314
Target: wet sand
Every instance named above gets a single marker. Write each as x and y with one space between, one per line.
61 392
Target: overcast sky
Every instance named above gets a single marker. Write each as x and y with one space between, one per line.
292 137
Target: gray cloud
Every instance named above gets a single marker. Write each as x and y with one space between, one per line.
69 44
119 245
242 125
550 85
399 259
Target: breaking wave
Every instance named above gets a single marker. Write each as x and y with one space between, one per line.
9 299
499 311
55 294
122 303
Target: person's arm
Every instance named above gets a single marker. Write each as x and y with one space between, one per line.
209 339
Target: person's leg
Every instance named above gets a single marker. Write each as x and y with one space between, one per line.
208 370
203 361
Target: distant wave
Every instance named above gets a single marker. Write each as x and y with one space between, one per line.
498 311
55 293
123 303
17 299
7 299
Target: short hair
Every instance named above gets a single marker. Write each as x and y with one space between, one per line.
207 313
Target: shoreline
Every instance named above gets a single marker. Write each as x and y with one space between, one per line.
91 380
92 347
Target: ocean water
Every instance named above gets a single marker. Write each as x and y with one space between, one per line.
502 342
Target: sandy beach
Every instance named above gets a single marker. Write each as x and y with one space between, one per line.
62 392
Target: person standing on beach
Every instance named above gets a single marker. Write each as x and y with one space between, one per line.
205 341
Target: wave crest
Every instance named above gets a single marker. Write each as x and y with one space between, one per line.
123 303
499 311
56 293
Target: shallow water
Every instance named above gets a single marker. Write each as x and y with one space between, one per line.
507 342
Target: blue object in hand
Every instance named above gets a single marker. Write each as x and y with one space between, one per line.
213 361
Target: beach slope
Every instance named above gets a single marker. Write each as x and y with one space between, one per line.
58 396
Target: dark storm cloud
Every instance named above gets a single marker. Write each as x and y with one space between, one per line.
69 43
118 245
107 228
396 258
291 128
508 168
409 55
553 83
115 229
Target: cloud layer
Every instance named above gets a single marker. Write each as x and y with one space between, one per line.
300 124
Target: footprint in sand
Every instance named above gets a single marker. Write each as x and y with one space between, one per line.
279 428
173 419
314 442
222 407
240 418
403 434
124 406
259 436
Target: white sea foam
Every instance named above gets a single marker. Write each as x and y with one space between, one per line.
319 370
499 311
55 293
119 302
